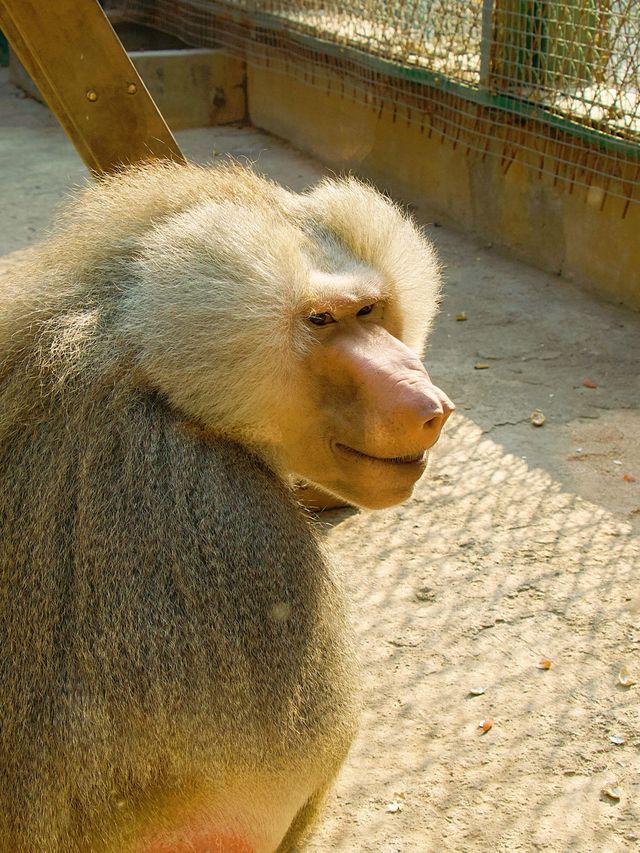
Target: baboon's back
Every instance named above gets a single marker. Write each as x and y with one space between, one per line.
167 620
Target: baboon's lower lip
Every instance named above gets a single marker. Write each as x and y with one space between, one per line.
411 459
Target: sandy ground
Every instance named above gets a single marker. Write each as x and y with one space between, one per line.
521 543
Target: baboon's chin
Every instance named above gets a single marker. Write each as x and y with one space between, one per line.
364 483
377 485
375 495
379 500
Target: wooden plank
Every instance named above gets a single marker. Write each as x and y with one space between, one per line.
77 61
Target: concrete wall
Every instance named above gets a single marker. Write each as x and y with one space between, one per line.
569 233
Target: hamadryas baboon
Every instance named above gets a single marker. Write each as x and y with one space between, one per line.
175 665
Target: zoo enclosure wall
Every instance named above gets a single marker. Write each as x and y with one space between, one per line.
518 119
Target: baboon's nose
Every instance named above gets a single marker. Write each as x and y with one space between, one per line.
440 409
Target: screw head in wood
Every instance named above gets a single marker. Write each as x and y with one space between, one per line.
92 95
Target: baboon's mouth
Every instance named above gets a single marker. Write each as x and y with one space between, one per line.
411 459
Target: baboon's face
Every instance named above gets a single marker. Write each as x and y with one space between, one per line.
369 412
287 330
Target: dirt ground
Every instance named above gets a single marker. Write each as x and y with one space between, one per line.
521 543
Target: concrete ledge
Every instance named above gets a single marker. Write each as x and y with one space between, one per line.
191 87
194 87
581 235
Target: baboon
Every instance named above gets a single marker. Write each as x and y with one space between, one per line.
175 663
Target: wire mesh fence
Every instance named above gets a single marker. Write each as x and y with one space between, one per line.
554 84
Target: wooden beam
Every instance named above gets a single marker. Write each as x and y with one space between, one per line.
84 74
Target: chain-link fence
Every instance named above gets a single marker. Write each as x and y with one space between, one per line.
552 83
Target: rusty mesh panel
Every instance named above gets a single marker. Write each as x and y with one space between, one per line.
554 84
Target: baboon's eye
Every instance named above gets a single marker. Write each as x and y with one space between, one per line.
366 310
323 319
